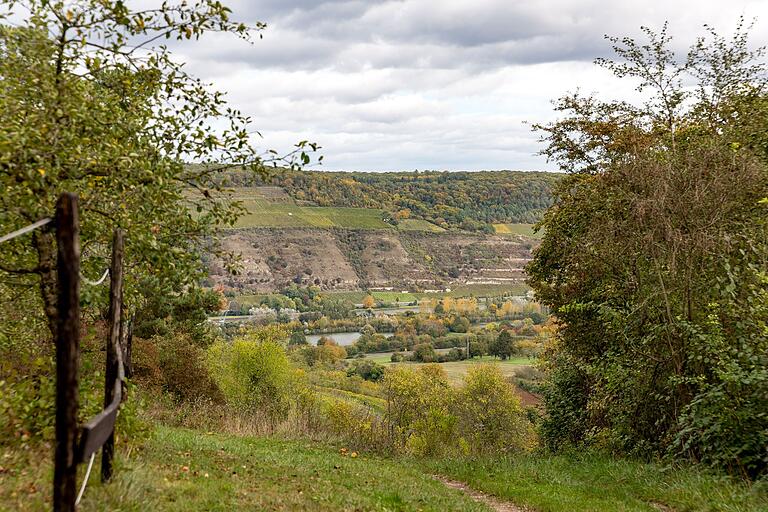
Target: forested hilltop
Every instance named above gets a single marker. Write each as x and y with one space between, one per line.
468 200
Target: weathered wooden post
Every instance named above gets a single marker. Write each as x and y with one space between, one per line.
113 345
67 352
126 335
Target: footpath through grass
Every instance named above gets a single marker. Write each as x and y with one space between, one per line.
182 470
599 484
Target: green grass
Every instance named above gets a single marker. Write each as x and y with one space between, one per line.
375 403
356 297
597 484
181 470
465 290
380 357
456 370
516 229
271 207
394 296
254 298
263 213
480 290
249 473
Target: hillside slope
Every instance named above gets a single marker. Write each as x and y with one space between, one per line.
182 470
459 199
345 259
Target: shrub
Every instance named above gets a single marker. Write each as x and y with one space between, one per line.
330 352
478 348
183 370
503 346
426 416
297 338
367 369
252 375
27 407
417 409
424 353
397 357
455 354
490 416
357 425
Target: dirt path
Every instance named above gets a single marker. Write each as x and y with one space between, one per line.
493 502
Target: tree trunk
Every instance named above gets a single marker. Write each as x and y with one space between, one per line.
45 244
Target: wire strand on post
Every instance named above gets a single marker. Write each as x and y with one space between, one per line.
85 479
27 229
95 283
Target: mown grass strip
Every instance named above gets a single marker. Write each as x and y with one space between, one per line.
549 483
181 470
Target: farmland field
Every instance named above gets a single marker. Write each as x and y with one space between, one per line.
272 207
357 296
464 290
481 290
269 214
516 229
393 296
457 369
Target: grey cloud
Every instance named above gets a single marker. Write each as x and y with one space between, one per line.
422 84
314 35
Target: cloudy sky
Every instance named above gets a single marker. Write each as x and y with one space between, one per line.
432 84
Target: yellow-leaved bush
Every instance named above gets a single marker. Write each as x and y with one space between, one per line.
426 416
254 374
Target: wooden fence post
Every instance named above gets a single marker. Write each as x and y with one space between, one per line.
67 353
113 345
126 334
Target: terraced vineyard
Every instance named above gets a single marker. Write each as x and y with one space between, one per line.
272 207
263 213
516 229
419 225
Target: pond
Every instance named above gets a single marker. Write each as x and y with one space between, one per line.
342 338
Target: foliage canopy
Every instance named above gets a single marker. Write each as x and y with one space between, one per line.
654 258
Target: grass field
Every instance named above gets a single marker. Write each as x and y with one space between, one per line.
271 207
357 296
516 229
394 296
456 370
600 484
484 290
466 290
182 470
266 213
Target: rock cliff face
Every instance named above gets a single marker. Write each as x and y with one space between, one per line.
340 259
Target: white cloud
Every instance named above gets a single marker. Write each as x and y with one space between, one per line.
386 85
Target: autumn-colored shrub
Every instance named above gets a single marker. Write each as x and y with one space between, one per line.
253 375
426 416
490 416
183 369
